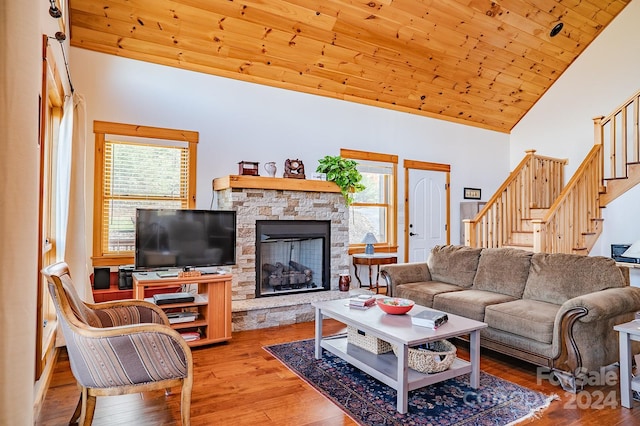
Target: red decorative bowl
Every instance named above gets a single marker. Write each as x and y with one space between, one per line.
395 305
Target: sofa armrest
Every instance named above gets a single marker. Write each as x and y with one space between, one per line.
605 304
584 338
402 273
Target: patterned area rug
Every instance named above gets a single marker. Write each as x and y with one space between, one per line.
370 402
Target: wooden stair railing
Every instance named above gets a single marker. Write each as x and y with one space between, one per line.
534 183
573 223
619 134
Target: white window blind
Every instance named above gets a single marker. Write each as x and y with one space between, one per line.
140 176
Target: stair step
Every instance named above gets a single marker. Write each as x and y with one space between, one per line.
519 246
526 225
522 238
538 213
618 186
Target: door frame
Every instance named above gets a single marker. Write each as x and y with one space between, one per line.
428 166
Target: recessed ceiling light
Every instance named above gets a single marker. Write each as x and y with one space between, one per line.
556 30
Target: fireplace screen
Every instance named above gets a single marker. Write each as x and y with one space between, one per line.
292 256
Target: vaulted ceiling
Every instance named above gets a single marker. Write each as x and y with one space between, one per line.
476 62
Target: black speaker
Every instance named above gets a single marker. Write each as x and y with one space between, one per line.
101 278
125 278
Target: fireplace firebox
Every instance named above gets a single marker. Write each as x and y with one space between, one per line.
292 256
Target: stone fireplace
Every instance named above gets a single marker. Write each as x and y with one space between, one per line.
257 199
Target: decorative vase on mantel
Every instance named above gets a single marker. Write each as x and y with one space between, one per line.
271 168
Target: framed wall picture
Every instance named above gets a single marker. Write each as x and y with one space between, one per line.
472 193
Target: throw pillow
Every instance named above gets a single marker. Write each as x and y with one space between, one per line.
454 264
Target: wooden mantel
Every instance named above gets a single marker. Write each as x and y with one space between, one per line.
259 182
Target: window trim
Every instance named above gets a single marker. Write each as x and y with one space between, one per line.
51 106
391 246
100 130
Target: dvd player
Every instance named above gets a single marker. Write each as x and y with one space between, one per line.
166 298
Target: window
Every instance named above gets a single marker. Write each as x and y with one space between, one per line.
374 209
51 108
137 167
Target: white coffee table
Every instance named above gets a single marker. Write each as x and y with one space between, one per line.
397 330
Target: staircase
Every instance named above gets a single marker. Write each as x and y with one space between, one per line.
508 218
532 210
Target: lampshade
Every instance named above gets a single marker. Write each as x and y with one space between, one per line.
632 251
369 239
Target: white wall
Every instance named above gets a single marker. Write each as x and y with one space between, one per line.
21 26
241 121
560 124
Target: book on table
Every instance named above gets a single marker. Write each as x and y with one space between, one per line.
429 318
363 300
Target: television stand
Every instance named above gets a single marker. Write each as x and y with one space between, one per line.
212 304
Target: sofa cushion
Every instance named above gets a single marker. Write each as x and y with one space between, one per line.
468 303
422 292
503 270
454 264
556 278
524 317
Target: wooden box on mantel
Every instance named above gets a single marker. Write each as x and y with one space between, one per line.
259 182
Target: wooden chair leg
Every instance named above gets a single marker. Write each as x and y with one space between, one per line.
77 412
185 401
90 409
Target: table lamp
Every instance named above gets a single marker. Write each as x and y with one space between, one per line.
369 239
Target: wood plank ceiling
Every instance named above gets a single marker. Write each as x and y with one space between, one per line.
476 62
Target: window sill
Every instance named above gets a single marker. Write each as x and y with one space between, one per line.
113 260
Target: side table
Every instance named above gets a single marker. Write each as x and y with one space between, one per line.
627 332
370 260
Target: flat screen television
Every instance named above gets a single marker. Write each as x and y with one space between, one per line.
167 238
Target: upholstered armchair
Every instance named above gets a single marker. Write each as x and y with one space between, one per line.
119 347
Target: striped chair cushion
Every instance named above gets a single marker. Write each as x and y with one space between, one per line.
124 360
127 315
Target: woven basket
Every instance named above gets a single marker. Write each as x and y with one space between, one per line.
431 357
367 342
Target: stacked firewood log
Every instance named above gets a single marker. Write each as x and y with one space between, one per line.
292 276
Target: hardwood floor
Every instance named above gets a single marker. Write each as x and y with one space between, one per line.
238 383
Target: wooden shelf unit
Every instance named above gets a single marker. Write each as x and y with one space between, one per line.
212 302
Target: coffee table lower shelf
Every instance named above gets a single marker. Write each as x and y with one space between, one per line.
384 367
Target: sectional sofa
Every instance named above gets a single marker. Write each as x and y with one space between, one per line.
553 310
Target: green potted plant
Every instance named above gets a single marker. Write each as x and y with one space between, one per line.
344 173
